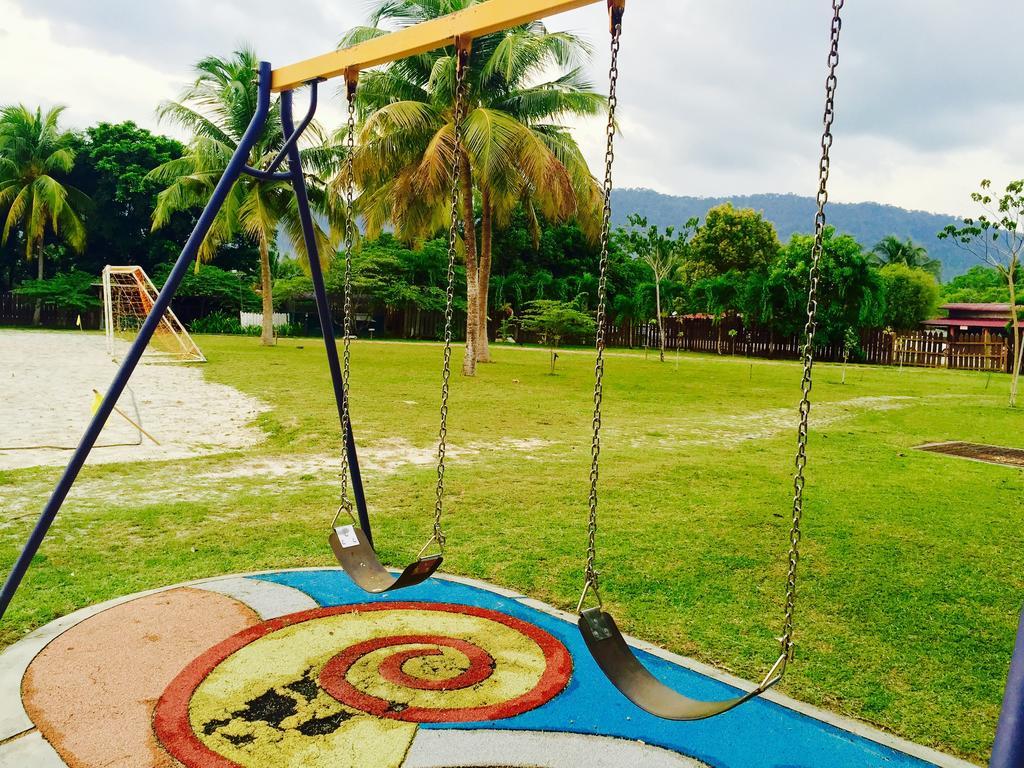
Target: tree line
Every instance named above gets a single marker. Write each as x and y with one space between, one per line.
528 205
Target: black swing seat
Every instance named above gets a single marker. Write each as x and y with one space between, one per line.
625 671
357 556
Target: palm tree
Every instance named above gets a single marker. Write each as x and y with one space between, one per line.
217 109
516 152
662 253
34 156
892 250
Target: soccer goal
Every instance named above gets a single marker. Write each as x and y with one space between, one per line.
128 297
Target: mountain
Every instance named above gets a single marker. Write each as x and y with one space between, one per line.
867 222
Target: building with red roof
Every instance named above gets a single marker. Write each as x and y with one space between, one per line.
973 318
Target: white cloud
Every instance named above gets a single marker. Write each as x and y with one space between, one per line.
93 84
716 98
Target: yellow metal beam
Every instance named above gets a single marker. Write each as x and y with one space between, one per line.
473 22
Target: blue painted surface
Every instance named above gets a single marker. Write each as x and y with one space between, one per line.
757 735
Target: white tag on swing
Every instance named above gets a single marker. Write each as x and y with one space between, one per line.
347 536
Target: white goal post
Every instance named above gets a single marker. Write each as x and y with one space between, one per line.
128 298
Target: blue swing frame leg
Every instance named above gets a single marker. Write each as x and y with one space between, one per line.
1008 750
323 307
235 168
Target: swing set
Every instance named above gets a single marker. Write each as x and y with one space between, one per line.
350 535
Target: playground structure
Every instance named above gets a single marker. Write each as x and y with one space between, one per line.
536 698
353 544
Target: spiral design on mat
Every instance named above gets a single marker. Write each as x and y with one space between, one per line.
492 667
322 680
423 679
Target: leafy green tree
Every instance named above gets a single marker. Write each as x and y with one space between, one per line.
662 252
217 108
731 240
731 294
892 250
69 290
911 296
850 289
291 289
211 289
979 285
518 152
559 265
556 321
36 157
996 237
386 273
112 165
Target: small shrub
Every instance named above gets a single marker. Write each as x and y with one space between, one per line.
218 322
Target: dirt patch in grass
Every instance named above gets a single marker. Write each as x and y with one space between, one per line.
734 429
990 454
166 483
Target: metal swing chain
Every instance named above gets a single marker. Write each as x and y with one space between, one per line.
591 576
462 58
809 333
350 144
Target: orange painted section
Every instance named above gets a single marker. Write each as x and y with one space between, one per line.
92 691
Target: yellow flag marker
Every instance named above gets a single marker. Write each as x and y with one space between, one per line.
97 401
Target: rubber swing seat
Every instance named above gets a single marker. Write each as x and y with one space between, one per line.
625 671
357 556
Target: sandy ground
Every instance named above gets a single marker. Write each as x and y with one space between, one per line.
47 382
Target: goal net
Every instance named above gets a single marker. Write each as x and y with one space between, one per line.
128 298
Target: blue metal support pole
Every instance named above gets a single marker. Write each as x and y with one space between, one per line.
322 305
1008 751
131 360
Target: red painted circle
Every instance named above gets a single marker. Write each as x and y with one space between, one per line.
481 664
173 726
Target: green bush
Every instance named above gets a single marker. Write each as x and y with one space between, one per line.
71 290
911 296
289 330
220 323
557 322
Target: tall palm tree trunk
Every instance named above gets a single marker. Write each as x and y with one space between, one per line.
37 312
472 278
483 349
266 290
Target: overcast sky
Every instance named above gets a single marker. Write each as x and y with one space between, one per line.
718 97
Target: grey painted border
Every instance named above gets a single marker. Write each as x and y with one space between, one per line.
26 649
449 749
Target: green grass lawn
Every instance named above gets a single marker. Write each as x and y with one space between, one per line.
913 567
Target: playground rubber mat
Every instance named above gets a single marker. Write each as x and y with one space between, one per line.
990 454
301 668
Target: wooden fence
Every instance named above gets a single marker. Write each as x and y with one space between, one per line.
730 337
19 311
971 352
967 351
975 352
